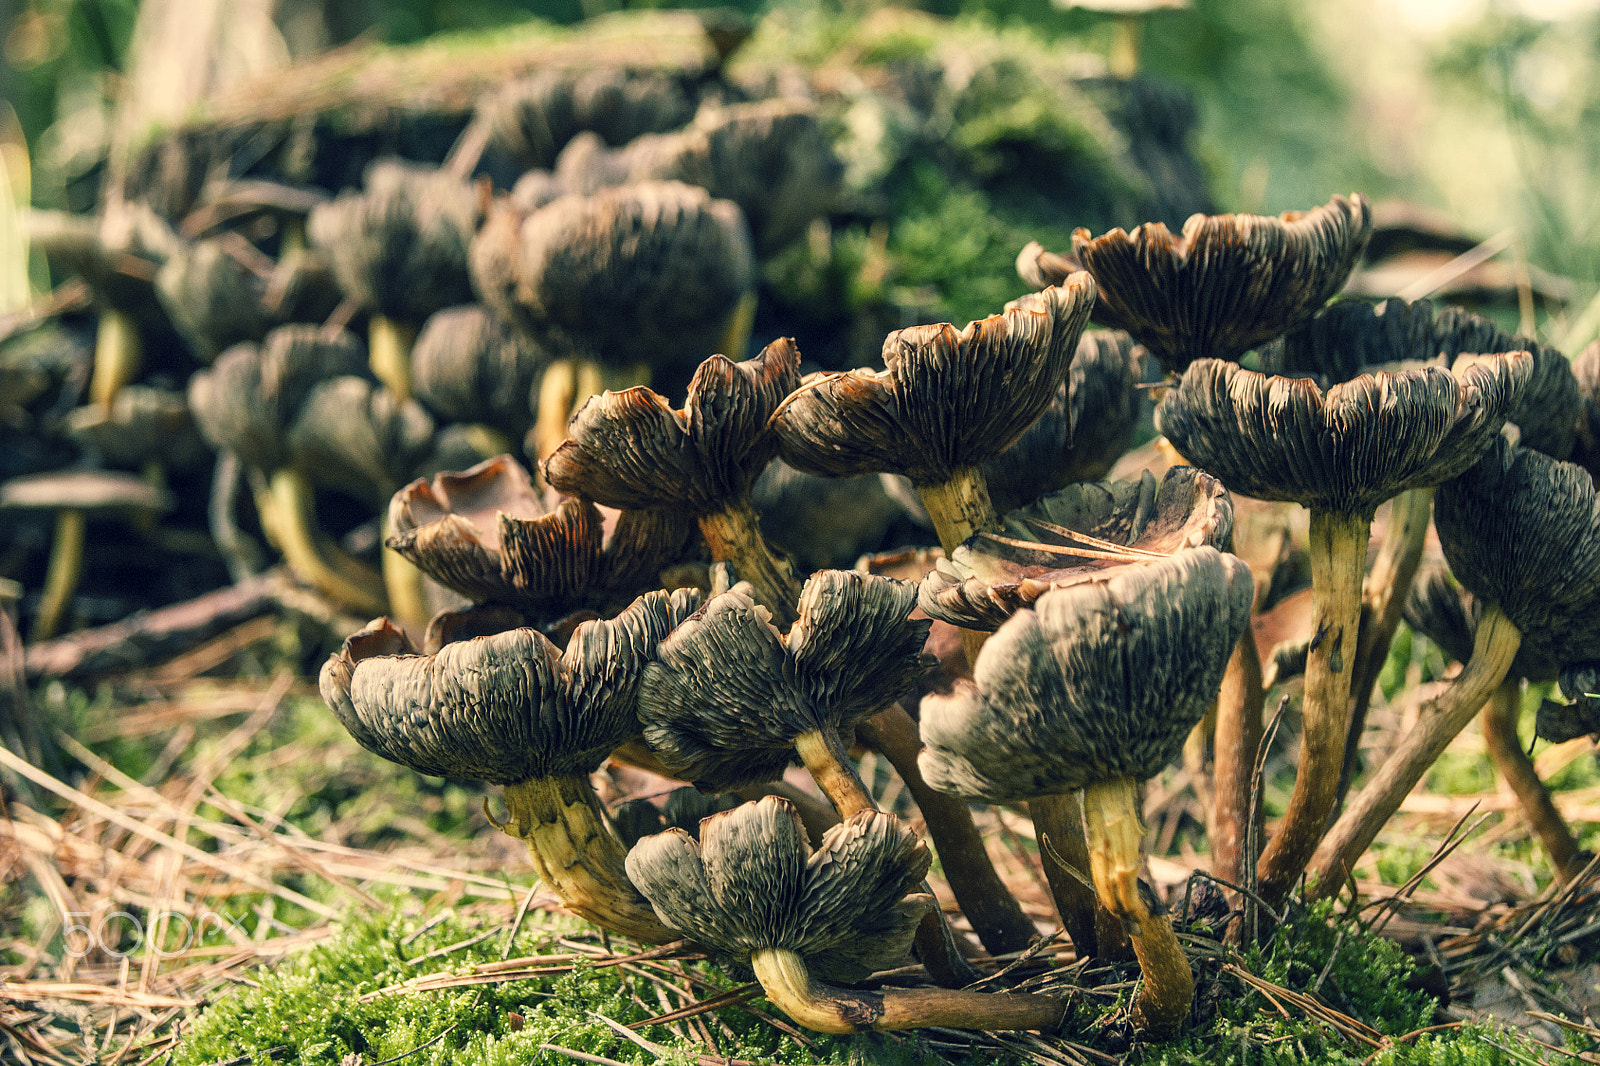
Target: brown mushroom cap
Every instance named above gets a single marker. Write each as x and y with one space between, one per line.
630 449
532 118
752 882
355 435
144 423
1100 680
1586 371
470 366
947 400
93 491
1448 615
727 698
502 708
1346 450
1522 530
1225 284
1559 722
986 581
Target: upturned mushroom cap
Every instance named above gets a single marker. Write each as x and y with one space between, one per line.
531 119
470 366
752 882
356 435
947 399
1089 424
1351 337
985 582
631 449
1560 722
1522 530
723 705
642 274
248 400
1350 448
486 534
502 708
1100 680
1226 283
399 246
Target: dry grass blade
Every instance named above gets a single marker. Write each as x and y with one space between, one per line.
30 991
1119 555
1350 1028
1091 541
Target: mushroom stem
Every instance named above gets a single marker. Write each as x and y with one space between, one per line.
1505 746
1064 854
402 583
736 330
61 579
389 353
1383 598
1125 34
566 385
117 353
829 1009
1338 548
1437 724
995 915
960 508
1196 746
1238 737
1111 819
286 516
734 536
559 818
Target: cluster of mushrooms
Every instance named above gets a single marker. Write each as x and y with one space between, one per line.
1070 639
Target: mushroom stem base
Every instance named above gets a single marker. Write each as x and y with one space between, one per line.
1111 821
734 536
829 1009
1437 724
1338 548
577 857
1505 746
1064 854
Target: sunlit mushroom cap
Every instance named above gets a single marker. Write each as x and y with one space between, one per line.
1522 530
1352 337
486 534
213 299
631 449
532 118
501 708
1560 722
470 366
723 705
1089 424
752 882
1100 680
947 399
646 273
399 246
985 581
248 400
1226 283
1345 450
354 434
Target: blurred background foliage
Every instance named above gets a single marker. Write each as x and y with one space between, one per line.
1482 109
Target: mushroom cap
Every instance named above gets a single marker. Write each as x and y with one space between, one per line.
1522 530
824 522
532 118
501 708
1586 371
728 695
213 299
947 400
476 620
646 273
985 582
94 491
1559 722
399 246
356 435
468 365
1350 448
1448 615
144 423
751 882
631 449
1352 336
1089 424
1100 680
248 400
485 533
1226 283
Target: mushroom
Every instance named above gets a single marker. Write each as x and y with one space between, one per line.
531 119
485 533
513 710
824 522
470 366
946 403
73 496
399 248
1436 609
1521 531
1560 722
1095 688
632 450
1339 453
1128 26
753 891
214 300
1224 285
1586 371
615 286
